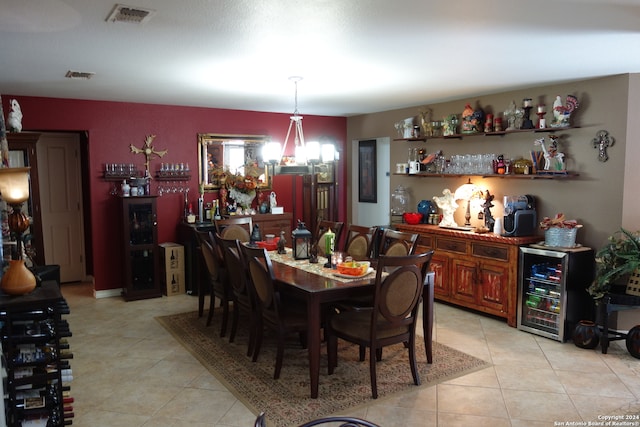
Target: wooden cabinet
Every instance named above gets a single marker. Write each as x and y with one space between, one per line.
140 248
22 152
477 271
274 223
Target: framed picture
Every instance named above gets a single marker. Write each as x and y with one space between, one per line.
367 182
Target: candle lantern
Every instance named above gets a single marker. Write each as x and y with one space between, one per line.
301 241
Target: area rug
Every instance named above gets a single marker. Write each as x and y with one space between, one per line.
286 401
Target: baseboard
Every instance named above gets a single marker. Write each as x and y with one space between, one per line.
108 293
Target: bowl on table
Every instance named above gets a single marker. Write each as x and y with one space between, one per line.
412 218
354 268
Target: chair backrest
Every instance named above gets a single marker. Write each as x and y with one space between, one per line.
234 263
397 243
263 280
211 260
235 228
359 241
344 422
396 297
323 227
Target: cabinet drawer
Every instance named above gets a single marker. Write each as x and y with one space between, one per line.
425 241
451 245
490 251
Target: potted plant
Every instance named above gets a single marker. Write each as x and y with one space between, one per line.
616 260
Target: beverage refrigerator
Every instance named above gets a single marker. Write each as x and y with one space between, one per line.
552 290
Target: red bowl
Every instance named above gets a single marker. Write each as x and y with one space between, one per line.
412 218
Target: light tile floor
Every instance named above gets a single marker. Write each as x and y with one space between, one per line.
128 371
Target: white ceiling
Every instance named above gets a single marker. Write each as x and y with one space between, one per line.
356 56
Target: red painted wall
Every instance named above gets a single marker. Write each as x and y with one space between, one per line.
112 126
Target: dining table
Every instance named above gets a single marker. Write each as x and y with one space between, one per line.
318 286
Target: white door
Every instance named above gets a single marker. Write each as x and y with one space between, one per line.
61 202
367 213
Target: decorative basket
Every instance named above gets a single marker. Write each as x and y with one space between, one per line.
560 237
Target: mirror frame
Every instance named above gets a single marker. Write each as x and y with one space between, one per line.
208 141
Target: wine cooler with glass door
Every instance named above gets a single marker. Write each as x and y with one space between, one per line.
552 290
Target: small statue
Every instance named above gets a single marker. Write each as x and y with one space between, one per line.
256 235
562 113
489 221
14 118
281 248
447 203
313 253
272 200
553 160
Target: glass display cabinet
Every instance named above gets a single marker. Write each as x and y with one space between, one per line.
140 239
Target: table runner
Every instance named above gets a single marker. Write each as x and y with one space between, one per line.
305 265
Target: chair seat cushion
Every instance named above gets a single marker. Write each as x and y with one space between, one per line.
357 324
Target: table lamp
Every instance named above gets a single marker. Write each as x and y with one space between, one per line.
467 192
14 189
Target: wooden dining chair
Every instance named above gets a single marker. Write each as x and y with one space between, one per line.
339 421
244 300
218 283
323 227
234 228
284 319
397 243
359 241
392 319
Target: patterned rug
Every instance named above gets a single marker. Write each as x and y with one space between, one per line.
286 401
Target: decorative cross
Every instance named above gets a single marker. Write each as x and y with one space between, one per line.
148 151
602 141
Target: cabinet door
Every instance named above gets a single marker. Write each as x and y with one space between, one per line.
464 274
493 286
440 266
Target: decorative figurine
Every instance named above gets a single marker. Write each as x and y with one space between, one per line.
489 221
553 160
313 253
511 114
602 141
272 200
425 121
450 125
280 245
562 113
14 118
501 167
447 203
471 120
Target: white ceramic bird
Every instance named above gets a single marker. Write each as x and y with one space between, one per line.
14 118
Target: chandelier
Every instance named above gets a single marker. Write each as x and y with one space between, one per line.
295 122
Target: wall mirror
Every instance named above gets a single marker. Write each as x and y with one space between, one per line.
220 156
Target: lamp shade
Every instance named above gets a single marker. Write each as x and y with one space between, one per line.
313 151
466 191
14 185
271 152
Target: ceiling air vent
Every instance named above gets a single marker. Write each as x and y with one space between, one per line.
82 75
131 14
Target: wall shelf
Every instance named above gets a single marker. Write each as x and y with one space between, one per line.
567 175
501 133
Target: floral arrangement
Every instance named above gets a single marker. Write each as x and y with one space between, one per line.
242 189
617 259
558 221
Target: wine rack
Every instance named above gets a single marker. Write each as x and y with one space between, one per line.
37 356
